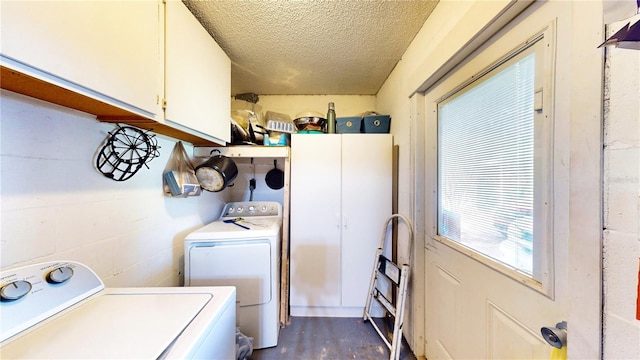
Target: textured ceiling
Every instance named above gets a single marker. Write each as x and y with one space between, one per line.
310 47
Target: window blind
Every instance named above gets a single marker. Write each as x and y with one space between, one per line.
486 164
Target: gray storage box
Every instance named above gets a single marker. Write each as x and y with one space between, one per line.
349 124
376 124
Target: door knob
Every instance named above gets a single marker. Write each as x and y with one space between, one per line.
555 336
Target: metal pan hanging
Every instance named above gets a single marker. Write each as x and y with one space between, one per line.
275 177
216 173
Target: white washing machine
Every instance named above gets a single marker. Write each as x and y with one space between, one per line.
61 310
242 249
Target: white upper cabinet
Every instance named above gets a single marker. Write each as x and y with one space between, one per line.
122 61
197 76
104 50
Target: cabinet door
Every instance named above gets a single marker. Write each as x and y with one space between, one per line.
107 50
315 221
197 76
366 205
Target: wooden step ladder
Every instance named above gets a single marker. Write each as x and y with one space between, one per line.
395 277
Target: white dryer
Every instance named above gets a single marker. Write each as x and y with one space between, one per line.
242 249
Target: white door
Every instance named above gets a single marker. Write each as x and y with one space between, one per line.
366 205
497 209
315 221
197 75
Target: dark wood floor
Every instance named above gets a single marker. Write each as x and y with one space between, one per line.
311 338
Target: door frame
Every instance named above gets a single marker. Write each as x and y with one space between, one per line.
418 186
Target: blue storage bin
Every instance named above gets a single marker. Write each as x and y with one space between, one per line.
350 124
376 124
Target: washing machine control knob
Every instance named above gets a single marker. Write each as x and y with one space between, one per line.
252 208
264 208
15 290
59 275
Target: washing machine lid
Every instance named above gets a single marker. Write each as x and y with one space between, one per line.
243 229
111 326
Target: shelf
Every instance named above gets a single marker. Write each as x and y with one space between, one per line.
254 151
24 84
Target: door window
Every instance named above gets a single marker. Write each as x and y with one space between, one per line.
493 196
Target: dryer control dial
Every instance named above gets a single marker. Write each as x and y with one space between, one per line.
59 275
15 290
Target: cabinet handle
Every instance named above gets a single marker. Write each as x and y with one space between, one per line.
338 221
344 221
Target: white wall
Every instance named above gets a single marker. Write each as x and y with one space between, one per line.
451 25
259 170
346 105
56 206
621 202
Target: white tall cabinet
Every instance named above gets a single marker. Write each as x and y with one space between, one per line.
340 198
